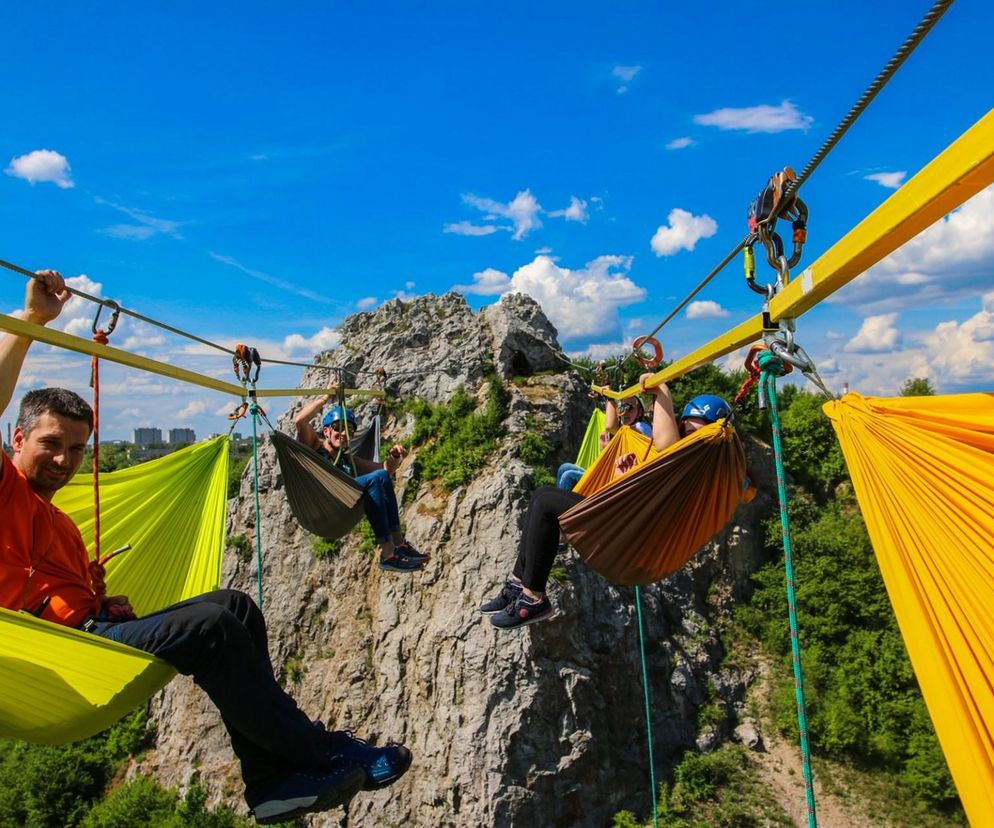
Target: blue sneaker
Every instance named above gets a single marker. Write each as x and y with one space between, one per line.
399 563
382 765
523 611
508 595
304 793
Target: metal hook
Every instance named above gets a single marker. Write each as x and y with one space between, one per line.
116 313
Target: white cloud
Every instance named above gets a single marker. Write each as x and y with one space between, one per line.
543 251
963 353
876 335
625 74
272 280
580 303
324 340
680 143
409 284
951 259
366 302
890 180
682 233
706 310
489 282
763 118
577 211
42 165
523 211
142 343
190 410
146 227
467 228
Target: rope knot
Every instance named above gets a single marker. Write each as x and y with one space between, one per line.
770 363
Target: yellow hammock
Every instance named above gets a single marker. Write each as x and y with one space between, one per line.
60 685
923 471
647 523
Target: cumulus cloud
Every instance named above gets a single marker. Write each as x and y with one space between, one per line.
680 143
523 212
324 340
580 303
752 119
625 75
42 165
190 410
682 233
706 310
366 302
890 180
489 282
951 259
467 228
577 211
963 353
876 335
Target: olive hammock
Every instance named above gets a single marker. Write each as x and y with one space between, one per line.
58 684
923 472
325 500
645 524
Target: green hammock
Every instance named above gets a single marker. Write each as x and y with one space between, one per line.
58 684
590 448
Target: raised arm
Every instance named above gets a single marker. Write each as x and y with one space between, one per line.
44 299
665 430
305 431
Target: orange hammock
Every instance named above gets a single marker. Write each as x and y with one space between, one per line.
647 523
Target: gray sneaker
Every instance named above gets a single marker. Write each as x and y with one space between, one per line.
523 611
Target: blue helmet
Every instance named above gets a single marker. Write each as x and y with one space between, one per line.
707 407
337 414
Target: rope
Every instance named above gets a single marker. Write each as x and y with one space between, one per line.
100 337
648 720
255 488
909 45
772 367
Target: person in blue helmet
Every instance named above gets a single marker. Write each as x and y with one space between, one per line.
522 600
627 412
380 501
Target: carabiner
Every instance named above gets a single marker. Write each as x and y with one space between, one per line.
116 313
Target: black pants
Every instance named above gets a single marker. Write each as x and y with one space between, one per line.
540 535
220 640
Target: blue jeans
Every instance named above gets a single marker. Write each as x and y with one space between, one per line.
219 639
568 476
380 504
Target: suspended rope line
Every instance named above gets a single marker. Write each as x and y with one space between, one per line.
916 37
258 509
771 366
648 719
110 303
909 45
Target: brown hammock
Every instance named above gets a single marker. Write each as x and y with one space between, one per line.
648 523
323 498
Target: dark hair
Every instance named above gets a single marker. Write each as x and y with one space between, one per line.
58 401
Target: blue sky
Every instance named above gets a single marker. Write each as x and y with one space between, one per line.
255 172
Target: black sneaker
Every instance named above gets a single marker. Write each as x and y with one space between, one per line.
508 595
409 551
302 793
382 765
399 563
523 611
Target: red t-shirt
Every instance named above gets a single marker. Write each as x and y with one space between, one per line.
42 555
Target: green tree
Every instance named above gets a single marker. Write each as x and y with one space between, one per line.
918 387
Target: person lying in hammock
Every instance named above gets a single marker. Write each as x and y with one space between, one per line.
290 764
628 412
379 501
522 600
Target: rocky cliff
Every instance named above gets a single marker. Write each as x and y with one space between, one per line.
540 726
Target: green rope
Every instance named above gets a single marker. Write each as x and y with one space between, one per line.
648 720
772 367
255 486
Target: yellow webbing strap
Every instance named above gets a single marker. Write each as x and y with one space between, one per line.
923 471
60 685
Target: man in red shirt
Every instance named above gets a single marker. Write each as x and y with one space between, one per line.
291 765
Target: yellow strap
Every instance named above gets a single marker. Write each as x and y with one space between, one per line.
962 170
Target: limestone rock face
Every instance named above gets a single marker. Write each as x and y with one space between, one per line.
544 725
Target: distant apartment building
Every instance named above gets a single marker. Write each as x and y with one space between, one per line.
148 436
182 435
